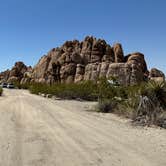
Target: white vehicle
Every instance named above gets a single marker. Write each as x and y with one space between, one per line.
10 85
113 83
3 85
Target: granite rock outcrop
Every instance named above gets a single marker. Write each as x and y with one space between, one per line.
77 61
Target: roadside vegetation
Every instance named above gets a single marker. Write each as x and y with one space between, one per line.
1 91
84 91
145 103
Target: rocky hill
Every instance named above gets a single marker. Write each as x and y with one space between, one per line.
17 73
90 59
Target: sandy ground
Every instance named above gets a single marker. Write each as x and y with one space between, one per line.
35 131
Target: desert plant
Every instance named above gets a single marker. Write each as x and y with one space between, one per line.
84 90
150 103
1 91
106 105
157 92
105 90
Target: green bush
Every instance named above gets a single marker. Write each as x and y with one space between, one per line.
156 92
147 102
106 90
110 96
84 90
21 86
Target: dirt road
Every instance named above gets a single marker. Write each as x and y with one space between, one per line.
35 131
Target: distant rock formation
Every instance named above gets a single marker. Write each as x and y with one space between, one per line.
77 61
16 74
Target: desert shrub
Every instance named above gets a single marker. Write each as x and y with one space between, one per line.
156 92
1 91
127 107
109 95
145 103
18 85
148 102
24 86
106 106
106 90
84 90
87 90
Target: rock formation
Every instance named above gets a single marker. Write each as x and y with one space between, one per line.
77 61
156 75
16 74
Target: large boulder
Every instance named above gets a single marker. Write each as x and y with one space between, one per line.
92 71
54 55
137 59
136 75
156 75
70 53
80 71
138 65
86 50
118 52
41 69
25 80
27 76
98 50
121 71
67 73
13 79
109 55
104 69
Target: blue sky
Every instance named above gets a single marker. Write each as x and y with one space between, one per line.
30 28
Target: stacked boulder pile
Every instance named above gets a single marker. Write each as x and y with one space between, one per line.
90 59
18 73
